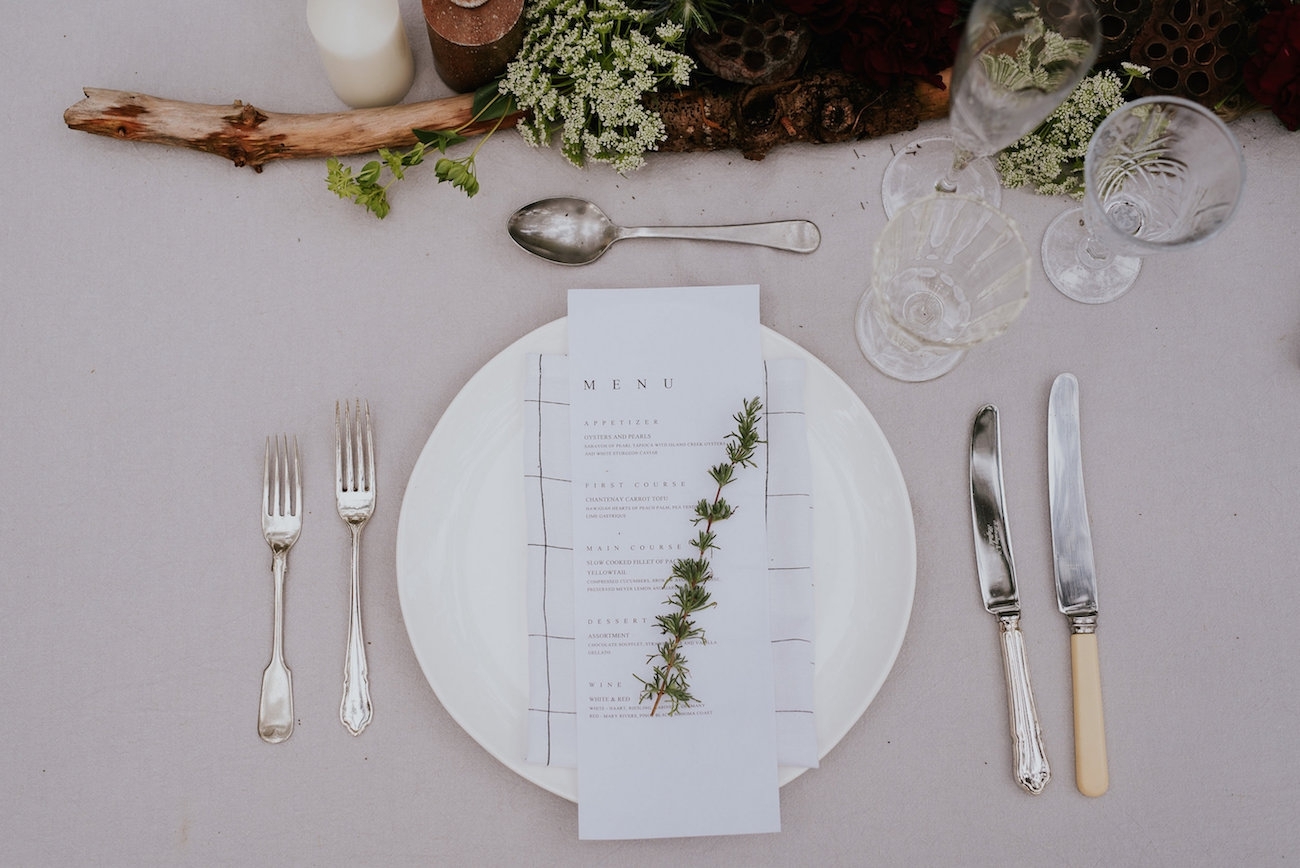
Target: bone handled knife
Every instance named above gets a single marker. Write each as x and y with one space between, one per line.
997 576
1076 582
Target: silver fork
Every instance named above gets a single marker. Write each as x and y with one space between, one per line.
354 477
281 524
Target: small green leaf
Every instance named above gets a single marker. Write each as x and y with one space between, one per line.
415 156
440 139
339 179
490 104
369 173
393 160
376 200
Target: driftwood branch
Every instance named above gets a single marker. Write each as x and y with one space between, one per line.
249 136
825 107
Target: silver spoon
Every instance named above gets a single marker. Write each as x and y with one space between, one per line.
575 232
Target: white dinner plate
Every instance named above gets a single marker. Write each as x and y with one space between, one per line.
461 555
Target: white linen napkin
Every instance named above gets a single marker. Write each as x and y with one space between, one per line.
552 700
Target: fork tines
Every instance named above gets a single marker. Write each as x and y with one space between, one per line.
354 456
278 496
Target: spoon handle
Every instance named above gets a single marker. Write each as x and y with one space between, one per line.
799 236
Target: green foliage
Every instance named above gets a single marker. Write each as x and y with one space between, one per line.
365 188
368 187
689 576
741 442
705 540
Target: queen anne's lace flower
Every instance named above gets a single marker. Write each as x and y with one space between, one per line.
583 71
1050 159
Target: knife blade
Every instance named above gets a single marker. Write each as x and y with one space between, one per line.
1076 582
997 578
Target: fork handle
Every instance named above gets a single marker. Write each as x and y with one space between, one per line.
355 710
275 710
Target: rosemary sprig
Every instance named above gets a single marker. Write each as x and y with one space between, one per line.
669 673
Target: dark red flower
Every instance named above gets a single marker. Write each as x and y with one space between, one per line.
1272 74
885 40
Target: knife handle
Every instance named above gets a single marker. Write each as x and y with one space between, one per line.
1090 768
1032 770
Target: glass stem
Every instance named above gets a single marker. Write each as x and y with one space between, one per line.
960 160
1092 253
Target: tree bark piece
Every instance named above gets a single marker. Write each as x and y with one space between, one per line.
819 108
824 107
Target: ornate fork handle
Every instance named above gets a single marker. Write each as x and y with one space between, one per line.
354 487
355 710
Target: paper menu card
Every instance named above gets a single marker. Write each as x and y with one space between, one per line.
552 736
656 377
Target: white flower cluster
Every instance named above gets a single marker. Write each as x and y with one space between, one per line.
1050 159
583 71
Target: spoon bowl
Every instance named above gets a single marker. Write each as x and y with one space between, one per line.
575 232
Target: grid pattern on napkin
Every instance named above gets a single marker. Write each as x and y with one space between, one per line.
552 711
552 699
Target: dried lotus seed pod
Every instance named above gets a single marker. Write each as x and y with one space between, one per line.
765 46
1195 49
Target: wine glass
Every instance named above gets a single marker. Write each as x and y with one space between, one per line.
948 272
1017 61
1161 173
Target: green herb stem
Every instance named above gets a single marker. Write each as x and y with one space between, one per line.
365 187
669 673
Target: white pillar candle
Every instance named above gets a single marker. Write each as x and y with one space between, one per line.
364 48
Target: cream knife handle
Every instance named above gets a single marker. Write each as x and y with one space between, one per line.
1090 769
1032 770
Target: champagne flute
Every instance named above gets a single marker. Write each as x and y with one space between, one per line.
1018 60
948 272
1161 174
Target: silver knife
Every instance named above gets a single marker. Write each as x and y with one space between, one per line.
1076 582
997 575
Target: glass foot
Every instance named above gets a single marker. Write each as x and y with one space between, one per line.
1080 267
914 171
910 365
